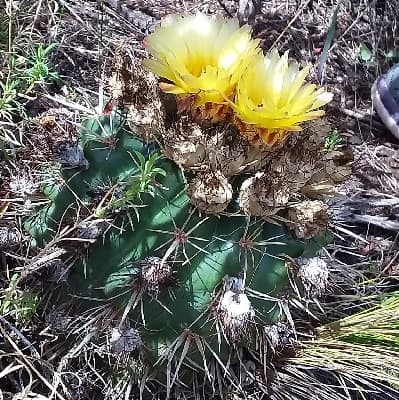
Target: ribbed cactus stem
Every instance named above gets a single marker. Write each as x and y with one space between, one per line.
156 257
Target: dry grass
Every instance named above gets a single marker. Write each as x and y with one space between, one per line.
49 350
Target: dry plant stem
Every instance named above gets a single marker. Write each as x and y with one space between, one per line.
350 345
29 365
293 19
74 352
8 10
9 370
18 333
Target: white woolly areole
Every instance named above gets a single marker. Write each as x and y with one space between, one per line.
314 274
235 312
237 306
236 315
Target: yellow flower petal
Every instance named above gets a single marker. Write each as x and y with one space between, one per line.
272 97
201 55
170 88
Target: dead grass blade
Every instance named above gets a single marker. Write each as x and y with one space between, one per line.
26 362
361 348
327 44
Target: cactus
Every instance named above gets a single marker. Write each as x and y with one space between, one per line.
190 225
170 269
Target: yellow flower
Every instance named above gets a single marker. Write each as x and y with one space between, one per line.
201 56
272 99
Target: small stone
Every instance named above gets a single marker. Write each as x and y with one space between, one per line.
9 237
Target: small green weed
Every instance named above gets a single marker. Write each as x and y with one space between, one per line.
23 73
18 304
149 171
39 70
365 53
143 183
366 56
333 141
24 68
19 80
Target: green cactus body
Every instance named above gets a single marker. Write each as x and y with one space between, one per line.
201 249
